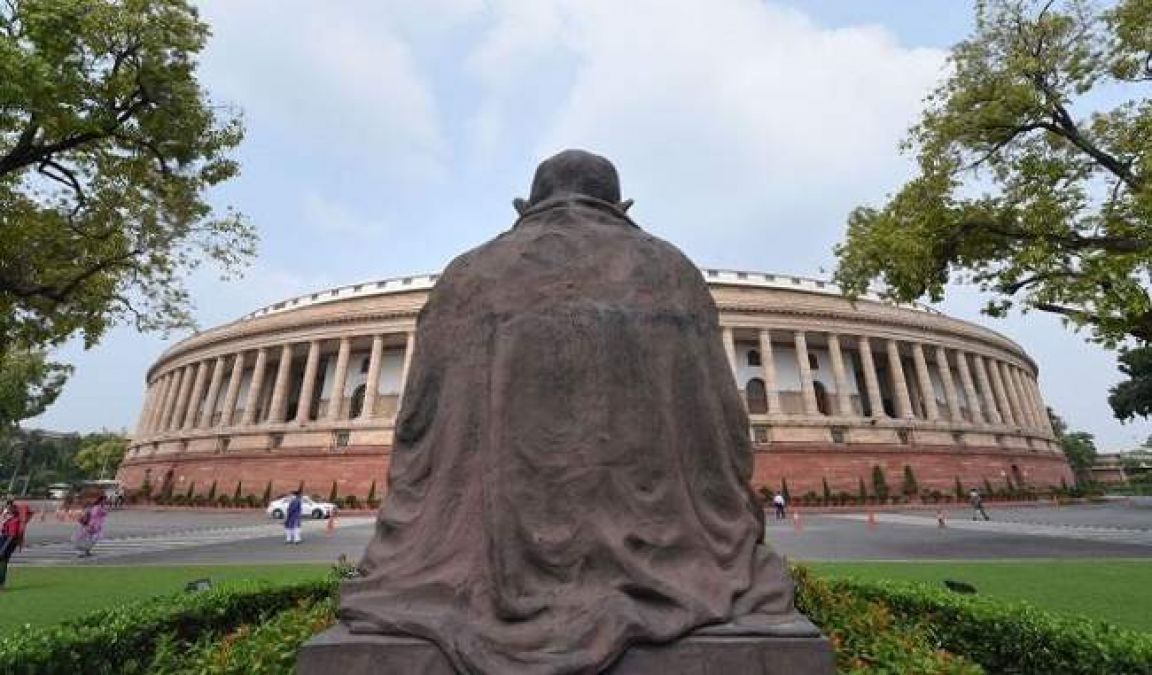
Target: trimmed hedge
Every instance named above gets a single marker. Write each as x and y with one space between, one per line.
267 649
868 638
1010 637
126 639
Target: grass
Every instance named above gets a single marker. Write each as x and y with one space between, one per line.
44 595
1118 591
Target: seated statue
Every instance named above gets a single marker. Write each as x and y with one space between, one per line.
571 465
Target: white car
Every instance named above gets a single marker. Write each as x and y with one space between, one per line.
279 508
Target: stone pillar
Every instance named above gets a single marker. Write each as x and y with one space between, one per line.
843 400
1001 393
1027 415
372 386
175 378
197 394
339 379
899 384
730 351
278 411
409 349
977 417
252 404
871 382
986 388
209 406
949 385
768 372
1041 409
185 394
161 386
308 385
927 393
807 390
151 395
233 392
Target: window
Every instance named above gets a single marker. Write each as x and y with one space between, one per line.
753 357
741 275
823 405
760 434
903 436
275 441
223 443
364 365
839 434
757 396
812 362
341 438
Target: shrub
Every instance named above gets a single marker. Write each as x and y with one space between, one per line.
861 491
252 501
784 490
1006 637
267 493
333 494
350 502
224 501
191 491
237 495
879 484
867 637
267 649
959 489
127 639
911 488
827 491
373 502
212 492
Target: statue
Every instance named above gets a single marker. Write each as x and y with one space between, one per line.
571 464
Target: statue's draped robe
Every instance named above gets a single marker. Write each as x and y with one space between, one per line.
570 472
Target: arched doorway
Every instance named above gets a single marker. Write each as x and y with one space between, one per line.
757 396
356 406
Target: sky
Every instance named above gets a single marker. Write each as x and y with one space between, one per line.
385 138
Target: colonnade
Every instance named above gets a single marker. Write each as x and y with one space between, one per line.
978 390
995 392
188 397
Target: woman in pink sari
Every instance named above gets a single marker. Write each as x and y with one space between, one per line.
90 528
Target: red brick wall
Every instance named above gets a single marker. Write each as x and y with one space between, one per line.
803 464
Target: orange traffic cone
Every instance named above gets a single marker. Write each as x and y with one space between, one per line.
871 520
796 524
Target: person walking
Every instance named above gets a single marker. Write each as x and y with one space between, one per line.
977 505
292 519
11 536
90 528
781 506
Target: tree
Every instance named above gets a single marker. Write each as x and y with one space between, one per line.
100 455
1133 396
910 488
1021 189
1078 446
29 383
879 484
108 145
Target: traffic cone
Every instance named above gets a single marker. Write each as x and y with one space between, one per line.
940 519
871 520
796 524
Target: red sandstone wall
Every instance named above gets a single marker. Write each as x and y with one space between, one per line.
803 465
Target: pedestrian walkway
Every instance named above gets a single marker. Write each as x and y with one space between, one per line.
63 553
1138 536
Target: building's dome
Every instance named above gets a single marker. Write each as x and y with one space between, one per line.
833 388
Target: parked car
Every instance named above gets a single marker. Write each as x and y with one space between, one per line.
59 490
279 507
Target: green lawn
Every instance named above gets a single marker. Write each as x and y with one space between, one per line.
1118 591
41 595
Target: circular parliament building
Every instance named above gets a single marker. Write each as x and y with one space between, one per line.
306 391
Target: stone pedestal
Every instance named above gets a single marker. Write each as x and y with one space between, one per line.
792 649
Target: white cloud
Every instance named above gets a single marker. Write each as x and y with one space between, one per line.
334 77
738 117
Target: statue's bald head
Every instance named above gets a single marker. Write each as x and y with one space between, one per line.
575 172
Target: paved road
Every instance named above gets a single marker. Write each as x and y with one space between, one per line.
140 536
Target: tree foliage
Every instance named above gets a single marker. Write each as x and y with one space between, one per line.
100 455
1133 396
29 383
1022 188
108 146
1078 446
